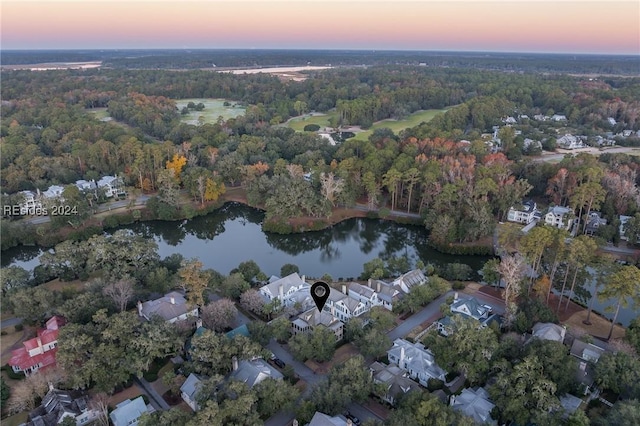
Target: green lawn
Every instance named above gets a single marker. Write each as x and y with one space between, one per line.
397 125
213 108
16 419
322 120
100 113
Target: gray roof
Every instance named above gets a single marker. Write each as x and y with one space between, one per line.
586 351
469 306
474 403
570 403
321 419
411 279
190 386
254 371
164 308
313 317
417 358
128 412
549 331
394 377
55 404
291 280
360 289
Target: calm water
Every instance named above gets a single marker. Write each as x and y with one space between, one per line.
233 234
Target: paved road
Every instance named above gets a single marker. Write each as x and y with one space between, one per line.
396 213
431 310
9 322
154 397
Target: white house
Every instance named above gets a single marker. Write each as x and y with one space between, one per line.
321 419
560 217
365 294
470 307
30 203
189 391
129 411
419 362
112 185
558 117
387 293
283 288
569 141
53 192
253 371
343 306
524 213
409 280
171 307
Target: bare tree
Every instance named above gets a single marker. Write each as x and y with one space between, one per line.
511 268
252 301
331 186
219 315
100 403
26 392
120 292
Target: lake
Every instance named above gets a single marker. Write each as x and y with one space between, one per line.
233 234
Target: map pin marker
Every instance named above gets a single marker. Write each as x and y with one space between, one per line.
320 294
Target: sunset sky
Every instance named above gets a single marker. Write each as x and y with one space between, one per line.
562 26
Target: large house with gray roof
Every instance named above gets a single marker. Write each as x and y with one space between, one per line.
474 403
189 391
344 306
58 404
128 412
171 307
283 288
419 361
306 321
394 380
253 371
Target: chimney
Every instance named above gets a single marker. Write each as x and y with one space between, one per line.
333 310
51 386
455 296
295 422
139 304
198 323
400 363
234 363
370 283
304 279
378 286
281 292
172 300
344 289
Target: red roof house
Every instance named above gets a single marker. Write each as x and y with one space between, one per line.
40 351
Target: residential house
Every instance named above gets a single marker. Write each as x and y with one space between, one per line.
388 294
471 307
58 404
558 117
171 307
306 321
594 222
569 141
523 213
189 390
509 120
111 185
321 419
30 203
364 294
531 144
549 331
395 381
474 403
622 229
343 306
588 355
129 411
540 117
39 352
409 280
53 192
560 217
419 362
253 371
86 185
612 121
570 404
283 288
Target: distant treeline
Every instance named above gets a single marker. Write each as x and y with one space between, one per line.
193 59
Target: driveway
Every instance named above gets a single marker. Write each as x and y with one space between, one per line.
432 310
9 322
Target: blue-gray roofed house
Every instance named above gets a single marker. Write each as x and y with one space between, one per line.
189 389
128 412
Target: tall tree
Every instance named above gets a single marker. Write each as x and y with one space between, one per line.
193 280
120 292
511 269
622 286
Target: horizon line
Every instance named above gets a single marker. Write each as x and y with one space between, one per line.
53 49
